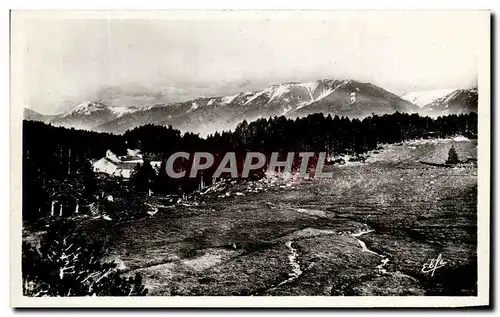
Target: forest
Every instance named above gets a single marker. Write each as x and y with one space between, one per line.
57 161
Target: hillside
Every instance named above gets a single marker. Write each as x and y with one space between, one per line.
367 231
89 115
32 115
425 97
459 101
444 101
207 114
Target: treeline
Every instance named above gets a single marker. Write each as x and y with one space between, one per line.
338 135
56 167
316 133
57 170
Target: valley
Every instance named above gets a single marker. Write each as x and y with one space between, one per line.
366 231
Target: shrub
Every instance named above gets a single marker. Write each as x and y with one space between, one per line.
452 156
65 264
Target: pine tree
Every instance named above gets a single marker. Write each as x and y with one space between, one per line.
452 156
163 183
66 264
143 177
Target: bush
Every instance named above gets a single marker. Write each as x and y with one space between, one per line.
452 156
65 264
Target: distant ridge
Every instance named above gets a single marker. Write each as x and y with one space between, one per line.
292 99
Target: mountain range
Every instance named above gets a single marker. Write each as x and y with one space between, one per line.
293 99
444 101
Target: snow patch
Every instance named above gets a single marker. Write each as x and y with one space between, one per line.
324 93
194 106
362 243
303 104
460 138
294 263
120 111
86 108
258 94
286 109
352 97
280 91
310 87
456 94
228 99
425 97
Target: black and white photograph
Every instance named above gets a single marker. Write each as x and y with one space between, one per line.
260 158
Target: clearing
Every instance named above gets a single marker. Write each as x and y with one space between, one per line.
367 231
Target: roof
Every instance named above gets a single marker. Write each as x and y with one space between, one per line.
126 158
104 165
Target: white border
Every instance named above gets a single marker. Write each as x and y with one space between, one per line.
15 148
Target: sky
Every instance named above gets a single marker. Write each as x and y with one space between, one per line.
142 59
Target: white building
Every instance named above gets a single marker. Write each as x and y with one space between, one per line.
121 166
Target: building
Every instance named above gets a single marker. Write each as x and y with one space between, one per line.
121 166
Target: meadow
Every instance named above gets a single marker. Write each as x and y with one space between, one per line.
368 230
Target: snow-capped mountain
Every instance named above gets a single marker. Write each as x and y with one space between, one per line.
89 115
425 97
444 101
293 99
458 101
208 114
86 108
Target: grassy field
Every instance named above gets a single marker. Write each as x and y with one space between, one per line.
299 240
